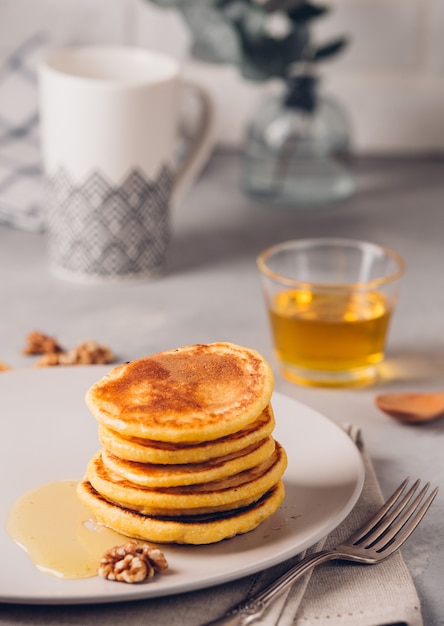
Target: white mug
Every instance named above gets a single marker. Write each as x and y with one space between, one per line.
109 133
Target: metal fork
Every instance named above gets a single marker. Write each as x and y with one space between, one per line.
379 538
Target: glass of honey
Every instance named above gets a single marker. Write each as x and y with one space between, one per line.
330 302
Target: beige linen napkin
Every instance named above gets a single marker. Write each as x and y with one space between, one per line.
334 594
347 594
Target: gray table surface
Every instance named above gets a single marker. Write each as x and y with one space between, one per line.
211 292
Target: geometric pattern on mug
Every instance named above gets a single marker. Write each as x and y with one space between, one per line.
102 230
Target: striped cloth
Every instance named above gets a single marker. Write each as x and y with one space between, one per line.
21 187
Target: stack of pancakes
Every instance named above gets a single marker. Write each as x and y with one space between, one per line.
188 454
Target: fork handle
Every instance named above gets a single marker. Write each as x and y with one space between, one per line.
253 608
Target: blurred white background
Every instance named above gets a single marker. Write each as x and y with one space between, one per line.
390 79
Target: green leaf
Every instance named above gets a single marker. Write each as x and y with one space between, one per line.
214 39
251 22
306 12
330 49
233 7
281 5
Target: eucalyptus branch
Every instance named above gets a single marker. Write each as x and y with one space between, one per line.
263 38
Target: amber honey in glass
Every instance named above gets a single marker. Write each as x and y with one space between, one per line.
330 303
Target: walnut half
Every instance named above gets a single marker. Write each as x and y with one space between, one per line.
131 563
40 343
86 353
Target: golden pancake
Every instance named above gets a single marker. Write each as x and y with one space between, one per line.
149 451
229 493
191 530
194 393
151 475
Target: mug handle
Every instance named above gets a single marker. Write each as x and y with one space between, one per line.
200 143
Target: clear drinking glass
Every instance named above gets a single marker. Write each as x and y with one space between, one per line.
330 302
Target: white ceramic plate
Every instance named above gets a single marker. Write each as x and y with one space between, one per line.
48 434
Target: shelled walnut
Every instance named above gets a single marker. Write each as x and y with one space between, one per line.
131 563
86 353
40 343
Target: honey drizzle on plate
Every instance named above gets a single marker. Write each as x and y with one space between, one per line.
58 532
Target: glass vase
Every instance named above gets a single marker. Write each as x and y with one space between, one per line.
297 157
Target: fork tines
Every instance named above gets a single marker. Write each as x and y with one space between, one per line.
396 519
